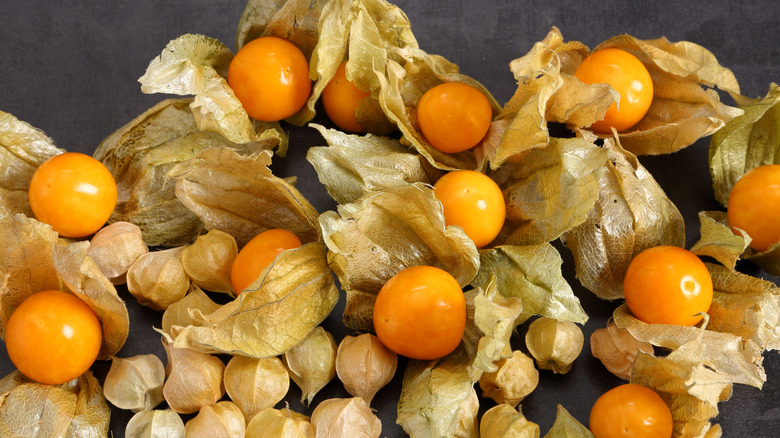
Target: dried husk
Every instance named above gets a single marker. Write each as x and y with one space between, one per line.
135 383
157 279
72 410
193 380
632 214
34 258
339 417
515 378
279 423
364 365
617 349
256 384
22 149
141 153
554 344
312 363
209 259
155 424
384 232
566 426
181 313
222 420
504 421
294 20
115 247
718 240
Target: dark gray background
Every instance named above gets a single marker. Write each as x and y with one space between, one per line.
71 70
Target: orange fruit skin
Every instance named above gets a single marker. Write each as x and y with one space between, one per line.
630 411
454 117
259 253
340 98
754 206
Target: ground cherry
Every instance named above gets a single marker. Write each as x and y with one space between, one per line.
341 98
74 193
454 116
420 313
270 77
629 77
53 337
474 202
754 206
668 285
259 253
630 410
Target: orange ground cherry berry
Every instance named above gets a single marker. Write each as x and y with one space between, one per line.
420 313
270 77
628 76
74 193
454 116
474 202
259 253
668 285
341 98
754 206
53 337
630 411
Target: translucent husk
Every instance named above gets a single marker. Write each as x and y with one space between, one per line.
554 344
135 383
193 380
279 423
338 417
718 240
181 313
364 365
222 420
312 363
157 279
115 247
208 260
504 421
617 349
155 424
566 426
515 378
256 384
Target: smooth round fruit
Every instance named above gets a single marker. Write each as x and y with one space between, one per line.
754 206
53 337
668 285
341 98
270 77
629 77
474 202
630 411
454 117
74 193
259 253
420 313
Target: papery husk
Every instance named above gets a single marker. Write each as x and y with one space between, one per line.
222 420
554 344
153 424
352 165
193 379
256 384
566 426
115 247
157 279
616 348
196 65
279 423
729 356
504 421
341 417
533 274
291 297
141 153
718 240
514 379
364 365
632 214
72 410
436 395
22 149
135 383
746 142
550 191
384 232
209 259
239 195
34 258
181 313
686 106
312 363
293 20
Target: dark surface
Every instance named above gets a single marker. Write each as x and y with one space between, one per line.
71 70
